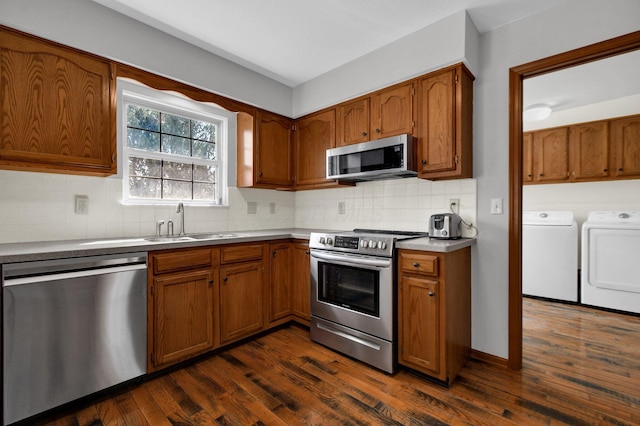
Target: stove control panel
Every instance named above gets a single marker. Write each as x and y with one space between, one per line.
366 244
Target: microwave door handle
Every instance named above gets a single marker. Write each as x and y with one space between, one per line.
379 263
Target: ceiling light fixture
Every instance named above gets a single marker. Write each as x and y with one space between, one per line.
537 112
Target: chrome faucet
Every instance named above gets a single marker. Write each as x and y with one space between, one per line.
159 227
180 209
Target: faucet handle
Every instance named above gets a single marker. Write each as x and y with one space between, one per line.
159 227
170 228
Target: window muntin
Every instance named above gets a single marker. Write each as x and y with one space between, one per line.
172 153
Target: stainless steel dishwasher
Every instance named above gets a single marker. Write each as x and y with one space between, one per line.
71 327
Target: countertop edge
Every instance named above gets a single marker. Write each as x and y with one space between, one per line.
435 245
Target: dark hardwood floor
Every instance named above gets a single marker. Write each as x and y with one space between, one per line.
581 367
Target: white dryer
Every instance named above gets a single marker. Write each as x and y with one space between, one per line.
611 260
550 255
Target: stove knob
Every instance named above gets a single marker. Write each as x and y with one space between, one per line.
382 245
444 233
330 241
363 243
321 241
372 244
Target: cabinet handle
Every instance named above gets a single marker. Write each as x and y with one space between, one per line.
274 253
364 133
605 170
431 294
260 174
416 264
225 279
529 175
424 161
306 252
210 283
377 130
541 174
620 169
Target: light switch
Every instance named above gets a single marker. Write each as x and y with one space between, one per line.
496 206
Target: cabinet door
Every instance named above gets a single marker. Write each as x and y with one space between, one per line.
419 323
183 316
551 155
301 281
626 140
274 153
314 135
353 122
241 300
527 157
589 145
392 112
437 123
280 285
58 108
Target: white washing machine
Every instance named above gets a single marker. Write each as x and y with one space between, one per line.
550 255
611 260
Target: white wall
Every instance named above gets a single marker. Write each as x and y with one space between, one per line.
88 26
571 25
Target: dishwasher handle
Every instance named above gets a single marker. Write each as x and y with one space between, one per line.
34 279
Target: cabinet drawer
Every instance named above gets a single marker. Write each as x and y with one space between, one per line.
170 261
240 253
426 264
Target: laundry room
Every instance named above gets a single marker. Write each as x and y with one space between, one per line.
581 177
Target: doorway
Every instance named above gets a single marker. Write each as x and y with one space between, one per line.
517 75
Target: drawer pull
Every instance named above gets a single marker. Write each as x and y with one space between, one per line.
431 294
416 264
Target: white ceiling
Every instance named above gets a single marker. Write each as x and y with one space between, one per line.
293 41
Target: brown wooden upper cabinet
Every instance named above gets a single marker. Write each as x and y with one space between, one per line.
392 111
57 108
626 142
353 121
314 134
445 109
592 151
274 153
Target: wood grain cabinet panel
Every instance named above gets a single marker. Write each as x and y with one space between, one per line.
626 142
301 282
434 311
274 154
589 146
551 155
57 108
241 300
445 108
314 134
527 157
393 111
183 319
353 121
281 281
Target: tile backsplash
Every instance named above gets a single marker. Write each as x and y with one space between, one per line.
41 207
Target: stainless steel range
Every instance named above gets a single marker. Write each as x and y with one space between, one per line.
353 293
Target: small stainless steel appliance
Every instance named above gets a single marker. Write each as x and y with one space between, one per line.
386 158
353 293
446 226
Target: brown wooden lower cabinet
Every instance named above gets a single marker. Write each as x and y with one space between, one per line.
300 282
434 314
280 288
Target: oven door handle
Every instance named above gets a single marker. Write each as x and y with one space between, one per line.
356 261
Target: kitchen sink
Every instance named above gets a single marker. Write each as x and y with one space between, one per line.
216 236
168 239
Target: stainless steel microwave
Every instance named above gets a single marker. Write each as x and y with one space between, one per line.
386 158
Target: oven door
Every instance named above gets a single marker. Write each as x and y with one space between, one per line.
355 291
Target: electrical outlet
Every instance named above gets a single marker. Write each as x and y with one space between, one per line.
82 204
272 208
454 205
341 207
252 207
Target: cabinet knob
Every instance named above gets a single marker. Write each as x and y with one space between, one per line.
529 175
273 253
541 174
306 252
424 161
260 174
377 130
605 170
364 133
416 264
210 282
431 294
225 279
620 169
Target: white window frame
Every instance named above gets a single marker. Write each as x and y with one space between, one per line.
130 91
